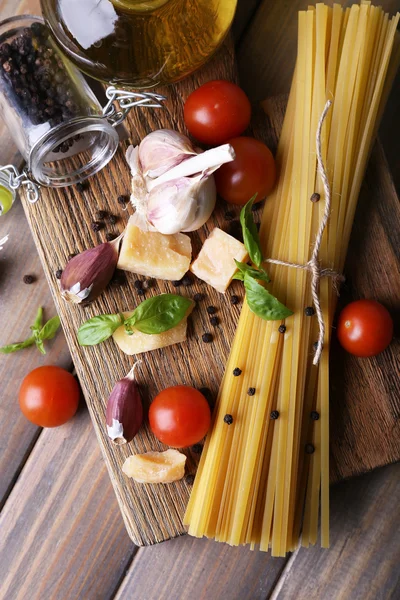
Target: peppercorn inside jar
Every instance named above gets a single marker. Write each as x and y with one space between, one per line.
53 116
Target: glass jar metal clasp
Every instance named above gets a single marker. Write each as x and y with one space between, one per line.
127 100
17 179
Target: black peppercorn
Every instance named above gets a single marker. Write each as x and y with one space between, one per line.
189 479
148 283
309 311
228 419
236 372
186 280
198 297
118 278
229 215
58 273
274 415
214 321
101 215
177 283
110 237
197 448
314 415
112 219
315 197
96 225
211 310
207 338
138 284
28 279
122 200
140 292
251 391
234 299
309 448
282 328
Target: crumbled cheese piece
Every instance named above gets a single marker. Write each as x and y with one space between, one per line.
215 264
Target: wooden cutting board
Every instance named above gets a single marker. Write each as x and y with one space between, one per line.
365 394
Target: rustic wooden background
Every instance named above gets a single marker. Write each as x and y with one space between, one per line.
62 533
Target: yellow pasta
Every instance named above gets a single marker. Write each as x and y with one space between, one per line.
261 481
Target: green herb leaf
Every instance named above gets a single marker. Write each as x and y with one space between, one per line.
37 325
250 233
50 329
262 303
40 346
159 314
259 274
19 346
98 329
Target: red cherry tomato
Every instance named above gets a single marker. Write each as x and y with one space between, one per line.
252 172
217 111
365 328
49 396
179 416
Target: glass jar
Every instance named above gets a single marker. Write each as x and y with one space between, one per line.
53 116
139 43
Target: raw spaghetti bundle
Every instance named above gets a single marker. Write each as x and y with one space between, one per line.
261 479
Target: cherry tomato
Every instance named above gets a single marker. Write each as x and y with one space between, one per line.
217 111
365 328
49 396
252 172
179 416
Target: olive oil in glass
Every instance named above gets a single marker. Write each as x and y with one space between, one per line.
139 43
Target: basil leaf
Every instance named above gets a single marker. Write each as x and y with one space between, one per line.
159 314
250 233
50 329
259 274
40 346
37 325
262 303
19 346
98 329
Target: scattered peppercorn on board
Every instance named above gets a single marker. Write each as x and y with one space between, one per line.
365 428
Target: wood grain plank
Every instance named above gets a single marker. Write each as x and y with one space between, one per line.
152 514
192 569
363 559
62 532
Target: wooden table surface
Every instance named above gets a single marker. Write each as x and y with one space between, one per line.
62 536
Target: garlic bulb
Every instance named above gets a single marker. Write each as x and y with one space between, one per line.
173 188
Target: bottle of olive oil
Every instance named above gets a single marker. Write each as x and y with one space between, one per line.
139 43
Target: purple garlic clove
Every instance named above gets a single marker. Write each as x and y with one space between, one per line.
88 274
124 414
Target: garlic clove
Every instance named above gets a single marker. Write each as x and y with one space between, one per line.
161 150
124 413
87 274
172 206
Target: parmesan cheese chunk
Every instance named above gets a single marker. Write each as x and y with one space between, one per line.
143 342
155 255
215 263
155 467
